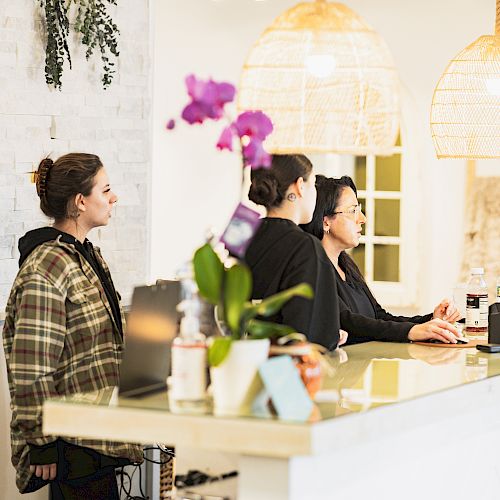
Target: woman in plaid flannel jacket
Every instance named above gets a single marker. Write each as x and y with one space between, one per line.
63 333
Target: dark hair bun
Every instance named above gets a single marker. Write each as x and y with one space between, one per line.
264 188
58 182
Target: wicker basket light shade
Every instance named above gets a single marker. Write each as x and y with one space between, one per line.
326 79
465 112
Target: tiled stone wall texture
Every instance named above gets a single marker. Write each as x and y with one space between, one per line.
36 121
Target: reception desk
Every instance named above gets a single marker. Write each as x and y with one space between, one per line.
393 421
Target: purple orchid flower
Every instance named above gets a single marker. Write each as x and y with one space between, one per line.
208 99
226 139
194 112
170 124
255 155
254 124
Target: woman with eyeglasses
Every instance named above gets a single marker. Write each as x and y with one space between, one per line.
338 221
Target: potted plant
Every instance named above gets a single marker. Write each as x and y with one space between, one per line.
235 355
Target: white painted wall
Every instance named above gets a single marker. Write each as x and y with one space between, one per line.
212 38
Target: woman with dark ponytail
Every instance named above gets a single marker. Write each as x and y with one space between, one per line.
337 222
281 255
63 333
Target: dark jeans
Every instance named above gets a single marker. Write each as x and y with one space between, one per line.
100 488
82 474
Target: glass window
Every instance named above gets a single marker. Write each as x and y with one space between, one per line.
363 203
387 217
379 186
360 172
386 262
388 173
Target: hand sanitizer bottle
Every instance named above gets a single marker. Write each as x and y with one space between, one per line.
189 361
476 319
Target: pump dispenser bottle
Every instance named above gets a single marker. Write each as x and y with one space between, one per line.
189 360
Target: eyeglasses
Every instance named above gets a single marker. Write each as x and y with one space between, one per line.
354 211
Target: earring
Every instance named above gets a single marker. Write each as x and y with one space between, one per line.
291 197
327 230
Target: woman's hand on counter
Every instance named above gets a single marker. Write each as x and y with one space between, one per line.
434 329
447 311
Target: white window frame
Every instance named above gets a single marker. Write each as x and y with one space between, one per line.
402 294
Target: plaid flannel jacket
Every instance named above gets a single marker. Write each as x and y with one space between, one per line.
60 339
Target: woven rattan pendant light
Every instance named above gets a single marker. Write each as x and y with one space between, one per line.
326 79
465 113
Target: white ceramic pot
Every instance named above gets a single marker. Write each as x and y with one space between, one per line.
235 382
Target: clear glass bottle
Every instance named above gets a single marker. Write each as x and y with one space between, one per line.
189 356
476 318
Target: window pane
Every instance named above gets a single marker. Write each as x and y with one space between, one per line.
387 217
360 172
386 262
388 173
358 256
363 203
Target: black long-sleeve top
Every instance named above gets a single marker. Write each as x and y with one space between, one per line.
365 319
282 255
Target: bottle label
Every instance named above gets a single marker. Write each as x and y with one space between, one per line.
189 374
476 311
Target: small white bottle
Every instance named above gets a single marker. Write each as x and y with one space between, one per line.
189 361
476 318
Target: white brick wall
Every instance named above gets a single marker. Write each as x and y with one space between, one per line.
36 120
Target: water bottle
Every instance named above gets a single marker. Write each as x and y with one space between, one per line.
476 317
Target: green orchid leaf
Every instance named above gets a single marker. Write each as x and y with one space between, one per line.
218 350
208 273
249 312
265 329
237 290
271 305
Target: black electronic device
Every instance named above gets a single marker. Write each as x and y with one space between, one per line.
491 348
494 323
152 324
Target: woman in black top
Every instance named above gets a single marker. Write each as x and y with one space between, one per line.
281 255
337 222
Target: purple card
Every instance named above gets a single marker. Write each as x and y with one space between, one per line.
240 230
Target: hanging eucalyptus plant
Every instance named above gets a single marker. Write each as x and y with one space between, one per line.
96 28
